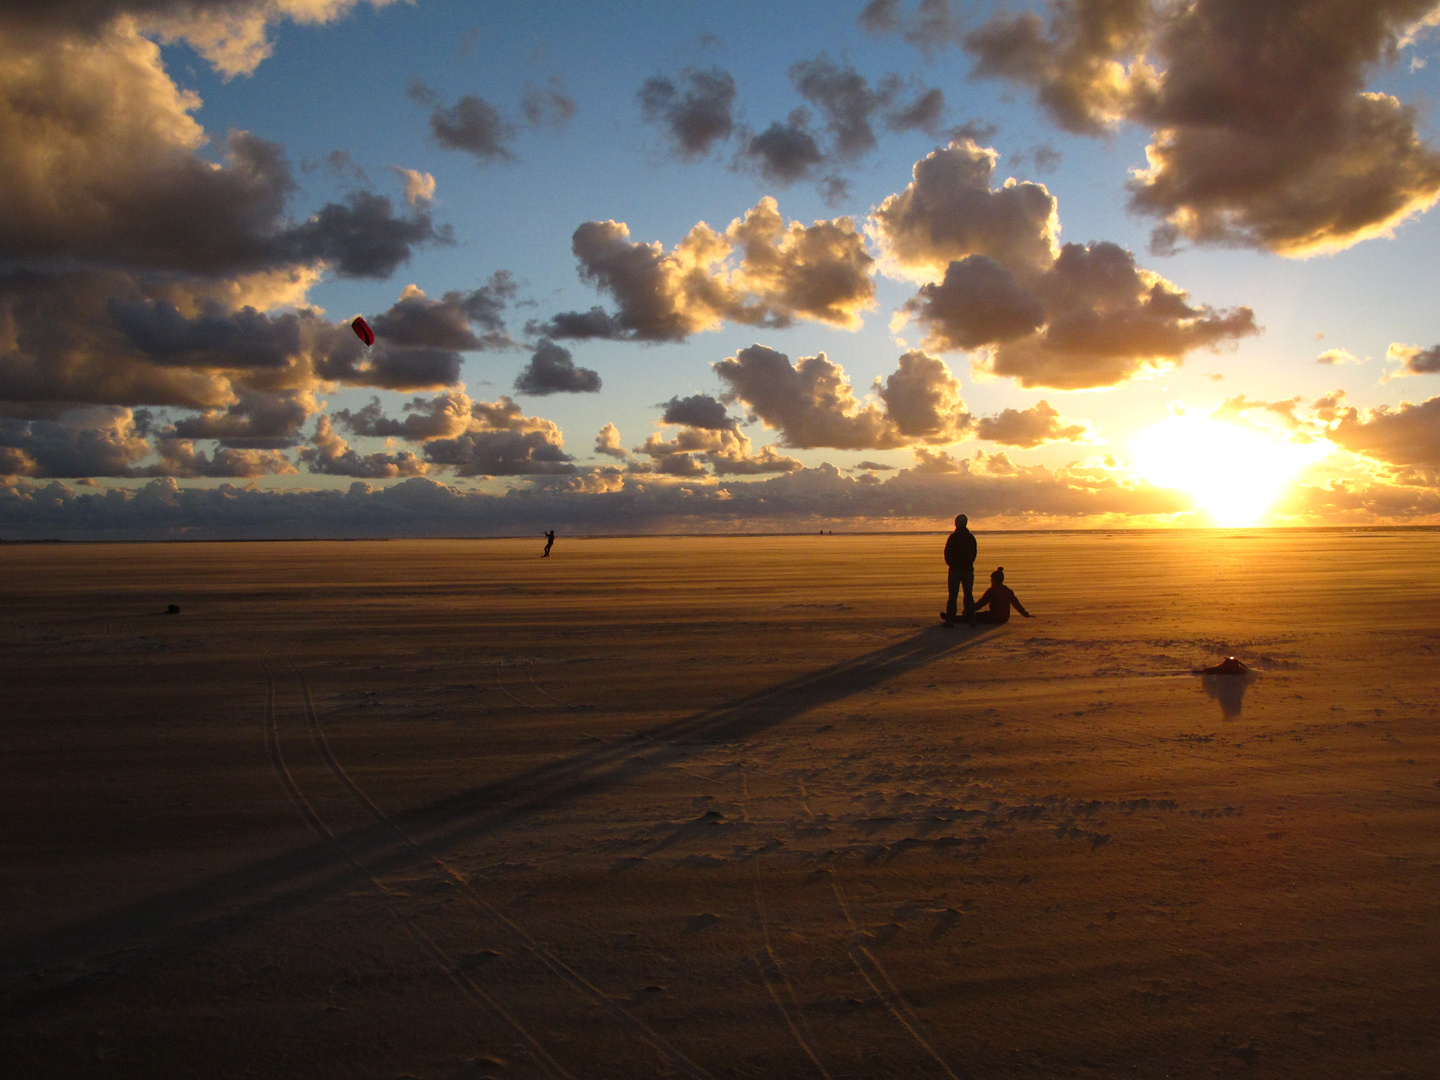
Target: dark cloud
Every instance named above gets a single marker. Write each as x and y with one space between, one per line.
330 454
447 323
99 164
215 338
785 152
812 404
472 124
258 420
443 416
179 458
1265 134
930 28
1414 360
473 438
819 272
1408 435
1075 63
1108 320
696 117
845 100
552 370
699 411
547 106
925 112
1026 428
978 303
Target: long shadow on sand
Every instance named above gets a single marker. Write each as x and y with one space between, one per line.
35 973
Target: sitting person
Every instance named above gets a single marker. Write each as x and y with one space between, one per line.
999 599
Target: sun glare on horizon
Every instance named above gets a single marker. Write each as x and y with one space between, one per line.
1233 473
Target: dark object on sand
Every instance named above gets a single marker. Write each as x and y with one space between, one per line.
1228 666
173 609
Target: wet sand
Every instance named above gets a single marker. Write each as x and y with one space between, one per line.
729 807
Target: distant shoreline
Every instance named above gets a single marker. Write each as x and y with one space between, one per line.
1238 533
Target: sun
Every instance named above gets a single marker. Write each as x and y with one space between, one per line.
1233 473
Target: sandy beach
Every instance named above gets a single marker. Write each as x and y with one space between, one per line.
721 807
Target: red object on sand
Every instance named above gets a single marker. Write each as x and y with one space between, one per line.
1228 666
362 330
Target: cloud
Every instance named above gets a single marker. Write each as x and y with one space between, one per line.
1338 356
444 416
258 419
1413 360
819 272
699 411
552 370
1408 435
472 125
785 152
608 444
709 436
850 107
1027 428
949 211
547 106
812 404
419 186
695 118
1076 64
214 338
1264 134
99 164
932 27
1092 319
330 454
447 323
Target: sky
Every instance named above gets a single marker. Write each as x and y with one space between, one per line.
650 267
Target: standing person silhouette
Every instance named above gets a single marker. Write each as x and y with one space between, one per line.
999 599
549 543
960 551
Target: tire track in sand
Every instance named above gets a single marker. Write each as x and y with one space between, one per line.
453 972
558 967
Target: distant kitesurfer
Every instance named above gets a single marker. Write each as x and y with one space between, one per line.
549 543
999 599
960 551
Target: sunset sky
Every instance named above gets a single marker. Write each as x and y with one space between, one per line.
690 266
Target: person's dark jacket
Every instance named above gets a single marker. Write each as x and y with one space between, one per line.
960 549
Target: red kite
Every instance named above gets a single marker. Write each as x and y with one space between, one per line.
362 330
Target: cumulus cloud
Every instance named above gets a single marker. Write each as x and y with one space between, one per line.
1106 319
444 416
1413 360
709 436
448 323
950 211
99 163
1026 428
1264 134
786 151
552 370
695 111
819 272
330 454
1407 435
1069 317
812 404
608 444
1331 357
